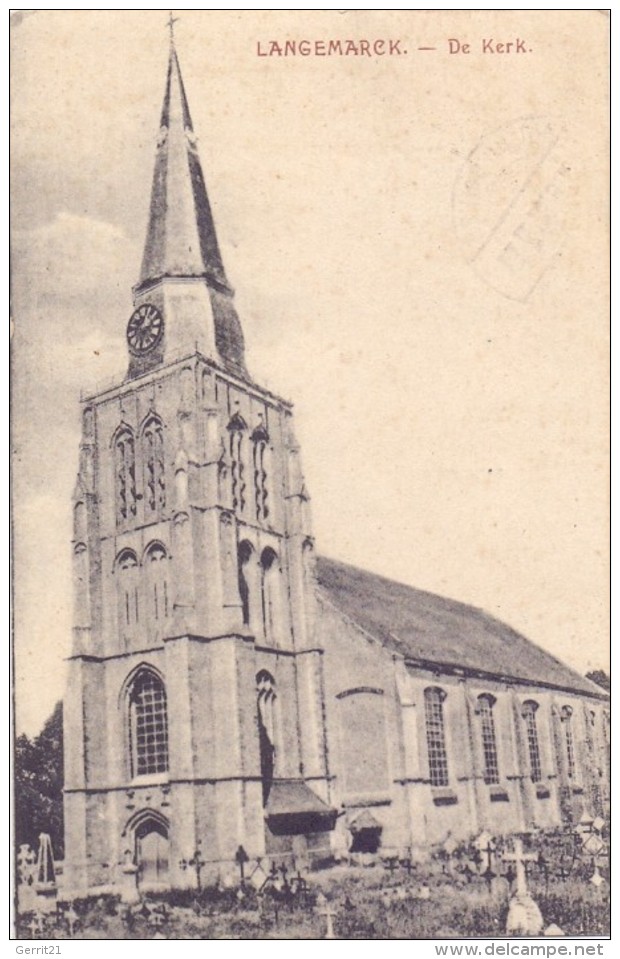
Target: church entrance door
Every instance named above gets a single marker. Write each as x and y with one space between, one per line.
152 853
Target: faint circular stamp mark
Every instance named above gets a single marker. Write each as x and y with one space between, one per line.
511 203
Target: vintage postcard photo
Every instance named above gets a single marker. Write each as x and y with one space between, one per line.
310 459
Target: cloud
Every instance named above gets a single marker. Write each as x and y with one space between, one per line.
73 256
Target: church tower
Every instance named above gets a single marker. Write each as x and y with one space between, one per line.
194 711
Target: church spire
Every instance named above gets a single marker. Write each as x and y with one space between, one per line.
181 238
181 245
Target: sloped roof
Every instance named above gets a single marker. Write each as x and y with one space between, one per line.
427 629
288 797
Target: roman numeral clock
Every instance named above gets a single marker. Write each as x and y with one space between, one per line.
145 331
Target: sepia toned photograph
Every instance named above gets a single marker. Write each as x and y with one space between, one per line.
310 429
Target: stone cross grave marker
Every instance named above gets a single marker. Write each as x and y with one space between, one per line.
325 908
519 858
524 916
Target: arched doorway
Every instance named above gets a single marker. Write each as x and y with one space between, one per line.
152 850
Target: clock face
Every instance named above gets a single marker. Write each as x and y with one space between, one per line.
145 328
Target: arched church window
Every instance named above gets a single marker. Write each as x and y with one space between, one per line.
154 466
270 596
436 736
156 563
126 568
260 452
148 724
528 712
245 553
125 476
566 716
236 431
486 702
266 699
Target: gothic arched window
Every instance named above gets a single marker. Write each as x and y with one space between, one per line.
270 596
236 429
436 736
156 563
154 466
566 716
126 571
260 449
528 713
125 475
486 703
266 698
245 553
148 724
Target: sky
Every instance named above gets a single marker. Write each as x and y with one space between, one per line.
419 249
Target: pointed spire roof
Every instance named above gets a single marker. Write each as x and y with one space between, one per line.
181 239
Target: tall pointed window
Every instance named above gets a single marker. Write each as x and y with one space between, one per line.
125 476
566 715
266 698
126 571
271 597
154 466
436 736
486 703
245 557
236 431
528 711
260 441
148 724
156 562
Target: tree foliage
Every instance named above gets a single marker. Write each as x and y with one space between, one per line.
39 784
600 677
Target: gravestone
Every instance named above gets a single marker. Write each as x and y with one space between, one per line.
524 917
325 908
45 878
26 869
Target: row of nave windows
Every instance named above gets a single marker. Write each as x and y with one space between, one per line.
148 449
148 726
434 699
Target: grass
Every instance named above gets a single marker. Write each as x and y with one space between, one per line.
367 902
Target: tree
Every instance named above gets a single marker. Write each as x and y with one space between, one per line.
600 677
39 784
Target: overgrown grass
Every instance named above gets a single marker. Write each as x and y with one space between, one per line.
368 903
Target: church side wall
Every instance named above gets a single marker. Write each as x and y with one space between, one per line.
515 781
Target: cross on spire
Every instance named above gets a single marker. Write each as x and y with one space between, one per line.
170 24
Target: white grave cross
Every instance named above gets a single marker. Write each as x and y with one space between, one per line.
520 858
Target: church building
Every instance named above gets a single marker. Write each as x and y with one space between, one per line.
228 688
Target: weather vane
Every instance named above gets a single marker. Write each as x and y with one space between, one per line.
170 24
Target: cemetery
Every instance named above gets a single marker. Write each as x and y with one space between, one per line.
553 883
